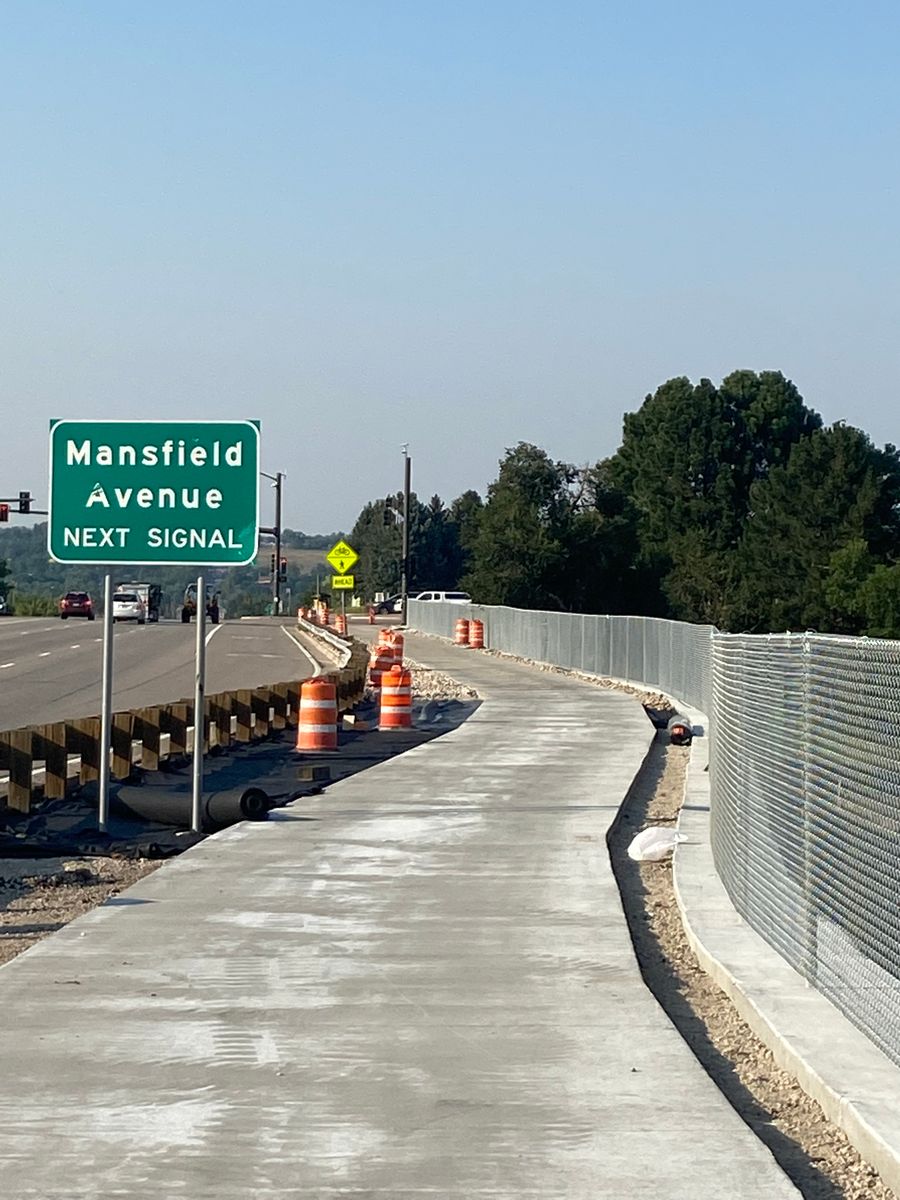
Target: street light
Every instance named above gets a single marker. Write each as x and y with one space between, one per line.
277 479
404 553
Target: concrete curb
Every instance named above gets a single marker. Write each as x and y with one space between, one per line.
857 1085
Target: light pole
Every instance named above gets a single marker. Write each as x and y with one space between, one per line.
404 552
276 530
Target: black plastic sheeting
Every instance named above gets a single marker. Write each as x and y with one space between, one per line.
150 813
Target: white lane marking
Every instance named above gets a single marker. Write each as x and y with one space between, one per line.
209 636
317 669
250 654
44 654
3 666
77 646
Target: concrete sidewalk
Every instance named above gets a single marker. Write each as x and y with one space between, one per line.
418 985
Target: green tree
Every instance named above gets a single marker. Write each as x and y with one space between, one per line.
802 539
520 553
463 521
880 594
688 460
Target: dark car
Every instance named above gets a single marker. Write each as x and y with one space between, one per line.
390 605
76 604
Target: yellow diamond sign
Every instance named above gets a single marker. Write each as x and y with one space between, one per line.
342 557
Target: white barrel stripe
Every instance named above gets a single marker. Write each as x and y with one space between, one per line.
317 729
317 704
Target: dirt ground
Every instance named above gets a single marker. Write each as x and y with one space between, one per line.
39 896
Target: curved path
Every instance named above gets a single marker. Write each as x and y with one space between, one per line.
419 985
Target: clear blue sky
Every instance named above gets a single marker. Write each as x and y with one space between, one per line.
458 225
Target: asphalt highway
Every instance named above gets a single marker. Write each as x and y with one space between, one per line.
50 669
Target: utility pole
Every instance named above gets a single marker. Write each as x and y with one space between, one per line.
275 529
404 553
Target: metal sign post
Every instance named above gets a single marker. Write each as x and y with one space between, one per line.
199 706
106 704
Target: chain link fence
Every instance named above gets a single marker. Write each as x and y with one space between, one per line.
805 777
668 656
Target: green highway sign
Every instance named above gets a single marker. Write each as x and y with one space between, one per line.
164 492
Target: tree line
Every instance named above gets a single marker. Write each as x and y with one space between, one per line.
731 504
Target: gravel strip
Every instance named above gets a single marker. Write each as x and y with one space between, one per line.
813 1152
40 895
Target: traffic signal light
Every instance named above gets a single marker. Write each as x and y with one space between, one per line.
388 516
24 502
4 512
282 570
272 564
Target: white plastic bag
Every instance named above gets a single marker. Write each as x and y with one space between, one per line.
654 844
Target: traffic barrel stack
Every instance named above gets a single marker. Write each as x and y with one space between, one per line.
395 710
461 633
476 635
317 727
380 660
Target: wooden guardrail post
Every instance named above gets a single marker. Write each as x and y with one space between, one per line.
149 731
16 756
243 708
83 738
220 718
293 703
279 705
173 720
49 746
122 730
259 702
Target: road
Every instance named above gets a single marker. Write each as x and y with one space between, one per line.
50 669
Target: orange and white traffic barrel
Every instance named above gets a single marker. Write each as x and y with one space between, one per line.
476 635
381 660
317 727
396 643
340 624
461 632
395 711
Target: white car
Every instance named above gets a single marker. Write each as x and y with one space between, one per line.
446 597
128 606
